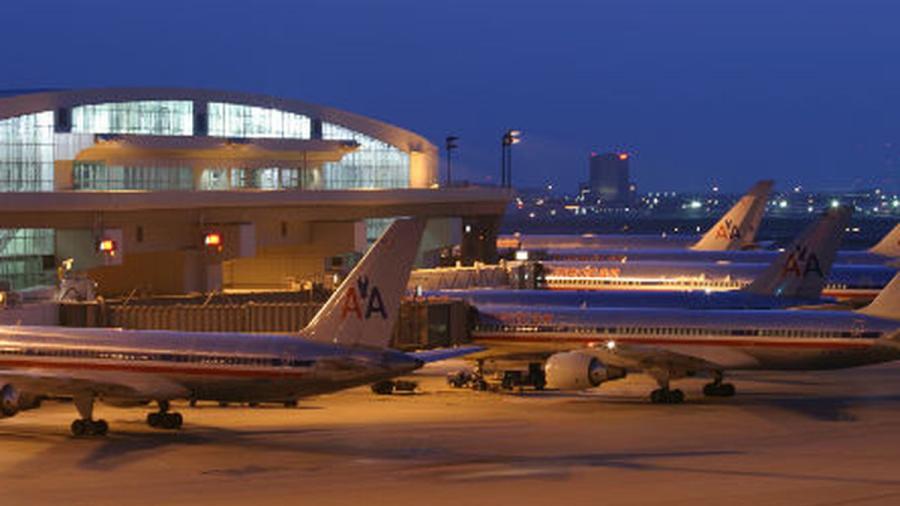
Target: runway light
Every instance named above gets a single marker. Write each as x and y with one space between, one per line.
610 345
835 203
623 156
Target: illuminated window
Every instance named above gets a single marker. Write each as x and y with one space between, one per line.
98 176
376 164
149 117
235 120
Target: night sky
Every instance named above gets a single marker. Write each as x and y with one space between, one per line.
702 92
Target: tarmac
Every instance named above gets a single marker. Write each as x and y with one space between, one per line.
824 438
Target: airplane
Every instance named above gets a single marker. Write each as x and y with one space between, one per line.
736 230
885 252
345 345
862 282
584 348
796 277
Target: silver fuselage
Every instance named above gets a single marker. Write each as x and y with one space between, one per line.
845 281
745 339
212 366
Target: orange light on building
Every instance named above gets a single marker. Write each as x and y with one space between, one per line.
107 247
623 156
212 240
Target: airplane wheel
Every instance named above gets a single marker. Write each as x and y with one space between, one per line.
480 385
718 390
81 428
383 387
154 420
663 396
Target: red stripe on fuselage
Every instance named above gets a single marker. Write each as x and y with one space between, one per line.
568 338
151 369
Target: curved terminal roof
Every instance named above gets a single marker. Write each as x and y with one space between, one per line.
20 102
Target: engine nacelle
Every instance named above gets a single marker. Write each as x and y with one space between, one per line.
9 401
573 370
12 401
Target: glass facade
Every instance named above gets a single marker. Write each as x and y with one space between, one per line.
98 176
376 164
26 165
235 120
26 153
147 117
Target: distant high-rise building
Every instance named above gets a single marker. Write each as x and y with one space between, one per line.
609 178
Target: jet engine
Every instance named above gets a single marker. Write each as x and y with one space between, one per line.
574 370
9 401
12 401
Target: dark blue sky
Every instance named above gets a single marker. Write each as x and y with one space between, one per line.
701 91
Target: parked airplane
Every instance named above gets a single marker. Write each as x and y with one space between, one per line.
796 277
583 348
887 251
344 346
736 230
845 281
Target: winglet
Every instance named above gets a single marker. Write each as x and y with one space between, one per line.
362 311
889 245
803 268
887 304
737 229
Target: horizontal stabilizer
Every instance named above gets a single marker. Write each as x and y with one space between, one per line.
887 304
737 229
889 245
429 356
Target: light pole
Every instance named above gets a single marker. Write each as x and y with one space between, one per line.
450 145
509 138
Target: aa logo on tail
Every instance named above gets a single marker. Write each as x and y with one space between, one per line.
728 230
360 295
802 262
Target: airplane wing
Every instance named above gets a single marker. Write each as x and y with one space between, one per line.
445 353
684 361
100 383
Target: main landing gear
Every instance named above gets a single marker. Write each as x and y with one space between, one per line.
717 388
663 395
86 425
666 396
163 419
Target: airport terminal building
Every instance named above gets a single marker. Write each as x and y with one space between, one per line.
175 190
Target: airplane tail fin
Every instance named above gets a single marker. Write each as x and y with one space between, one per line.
363 309
802 269
887 304
889 245
737 229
